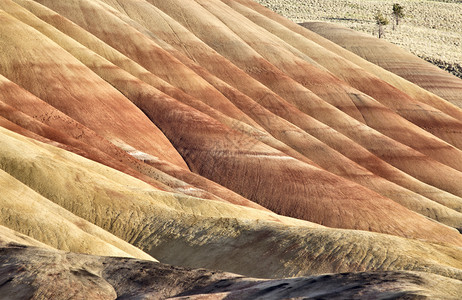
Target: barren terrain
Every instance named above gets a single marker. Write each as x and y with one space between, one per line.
430 29
213 149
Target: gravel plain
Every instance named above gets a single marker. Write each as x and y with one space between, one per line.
430 29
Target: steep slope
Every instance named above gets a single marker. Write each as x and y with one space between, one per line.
411 89
12 237
73 90
186 231
51 224
218 145
215 134
394 59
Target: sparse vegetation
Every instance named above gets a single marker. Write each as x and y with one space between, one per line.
398 13
437 36
381 21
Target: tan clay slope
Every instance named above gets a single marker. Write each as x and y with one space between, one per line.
49 116
190 231
217 148
429 209
394 59
12 238
411 89
305 144
417 173
26 211
317 107
163 26
418 113
144 51
29 272
68 85
228 27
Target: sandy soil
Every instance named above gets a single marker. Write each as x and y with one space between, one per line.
430 29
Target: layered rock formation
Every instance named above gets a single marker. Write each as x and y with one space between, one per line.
216 134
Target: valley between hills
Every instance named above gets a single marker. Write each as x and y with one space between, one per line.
213 149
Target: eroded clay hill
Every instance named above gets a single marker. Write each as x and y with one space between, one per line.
217 134
394 59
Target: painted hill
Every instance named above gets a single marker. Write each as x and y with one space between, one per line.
217 134
394 59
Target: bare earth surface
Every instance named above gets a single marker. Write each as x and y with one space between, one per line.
213 149
27 272
430 29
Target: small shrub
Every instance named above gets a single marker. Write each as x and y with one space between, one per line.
397 14
381 21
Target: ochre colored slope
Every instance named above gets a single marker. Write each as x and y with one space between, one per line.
174 134
302 142
65 83
51 224
185 230
441 125
395 60
12 237
216 134
409 88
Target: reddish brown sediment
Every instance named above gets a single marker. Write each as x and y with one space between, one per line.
69 86
215 134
